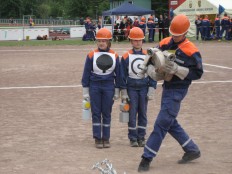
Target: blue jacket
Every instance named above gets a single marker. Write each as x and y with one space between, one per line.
187 55
205 23
142 25
198 23
217 22
150 25
225 22
89 76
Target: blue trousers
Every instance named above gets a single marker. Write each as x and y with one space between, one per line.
205 33
101 99
166 122
217 32
198 30
222 32
229 35
138 106
151 35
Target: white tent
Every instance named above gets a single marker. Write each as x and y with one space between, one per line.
226 4
191 8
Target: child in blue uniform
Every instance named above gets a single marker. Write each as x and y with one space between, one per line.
198 26
100 81
151 29
205 28
217 26
186 67
225 23
142 25
138 89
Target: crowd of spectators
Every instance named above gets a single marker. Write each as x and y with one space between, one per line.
209 29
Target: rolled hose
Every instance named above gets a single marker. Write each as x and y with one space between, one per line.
169 56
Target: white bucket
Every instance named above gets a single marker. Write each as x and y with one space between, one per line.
124 117
86 114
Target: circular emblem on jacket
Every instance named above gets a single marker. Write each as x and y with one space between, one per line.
135 65
104 62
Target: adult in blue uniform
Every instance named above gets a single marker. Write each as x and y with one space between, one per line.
101 82
90 30
142 25
187 67
230 29
151 29
166 25
198 26
161 27
217 26
137 89
205 28
225 23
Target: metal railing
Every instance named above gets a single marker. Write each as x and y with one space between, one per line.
18 22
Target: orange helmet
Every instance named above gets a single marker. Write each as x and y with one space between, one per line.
136 33
143 19
179 25
103 33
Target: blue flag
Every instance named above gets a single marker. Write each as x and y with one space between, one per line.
221 9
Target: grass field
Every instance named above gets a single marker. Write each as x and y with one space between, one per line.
77 41
45 42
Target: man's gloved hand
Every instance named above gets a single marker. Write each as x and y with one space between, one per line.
172 68
153 74
86 93
116 93
150 94
124 95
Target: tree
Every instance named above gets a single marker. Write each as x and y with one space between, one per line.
43 11
83 8
11 8
77 8
55 8
160 6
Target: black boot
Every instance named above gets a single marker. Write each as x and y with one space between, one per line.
189 156
144 165
98 143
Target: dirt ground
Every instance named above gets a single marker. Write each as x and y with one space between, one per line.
41 126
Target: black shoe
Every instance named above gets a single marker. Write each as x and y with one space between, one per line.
134 143
106 143
142 142
98 143
144 165
189 156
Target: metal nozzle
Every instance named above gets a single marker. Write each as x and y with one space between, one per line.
150 51
169 56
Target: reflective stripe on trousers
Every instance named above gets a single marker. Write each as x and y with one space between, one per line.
138 108
101 99
166 122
